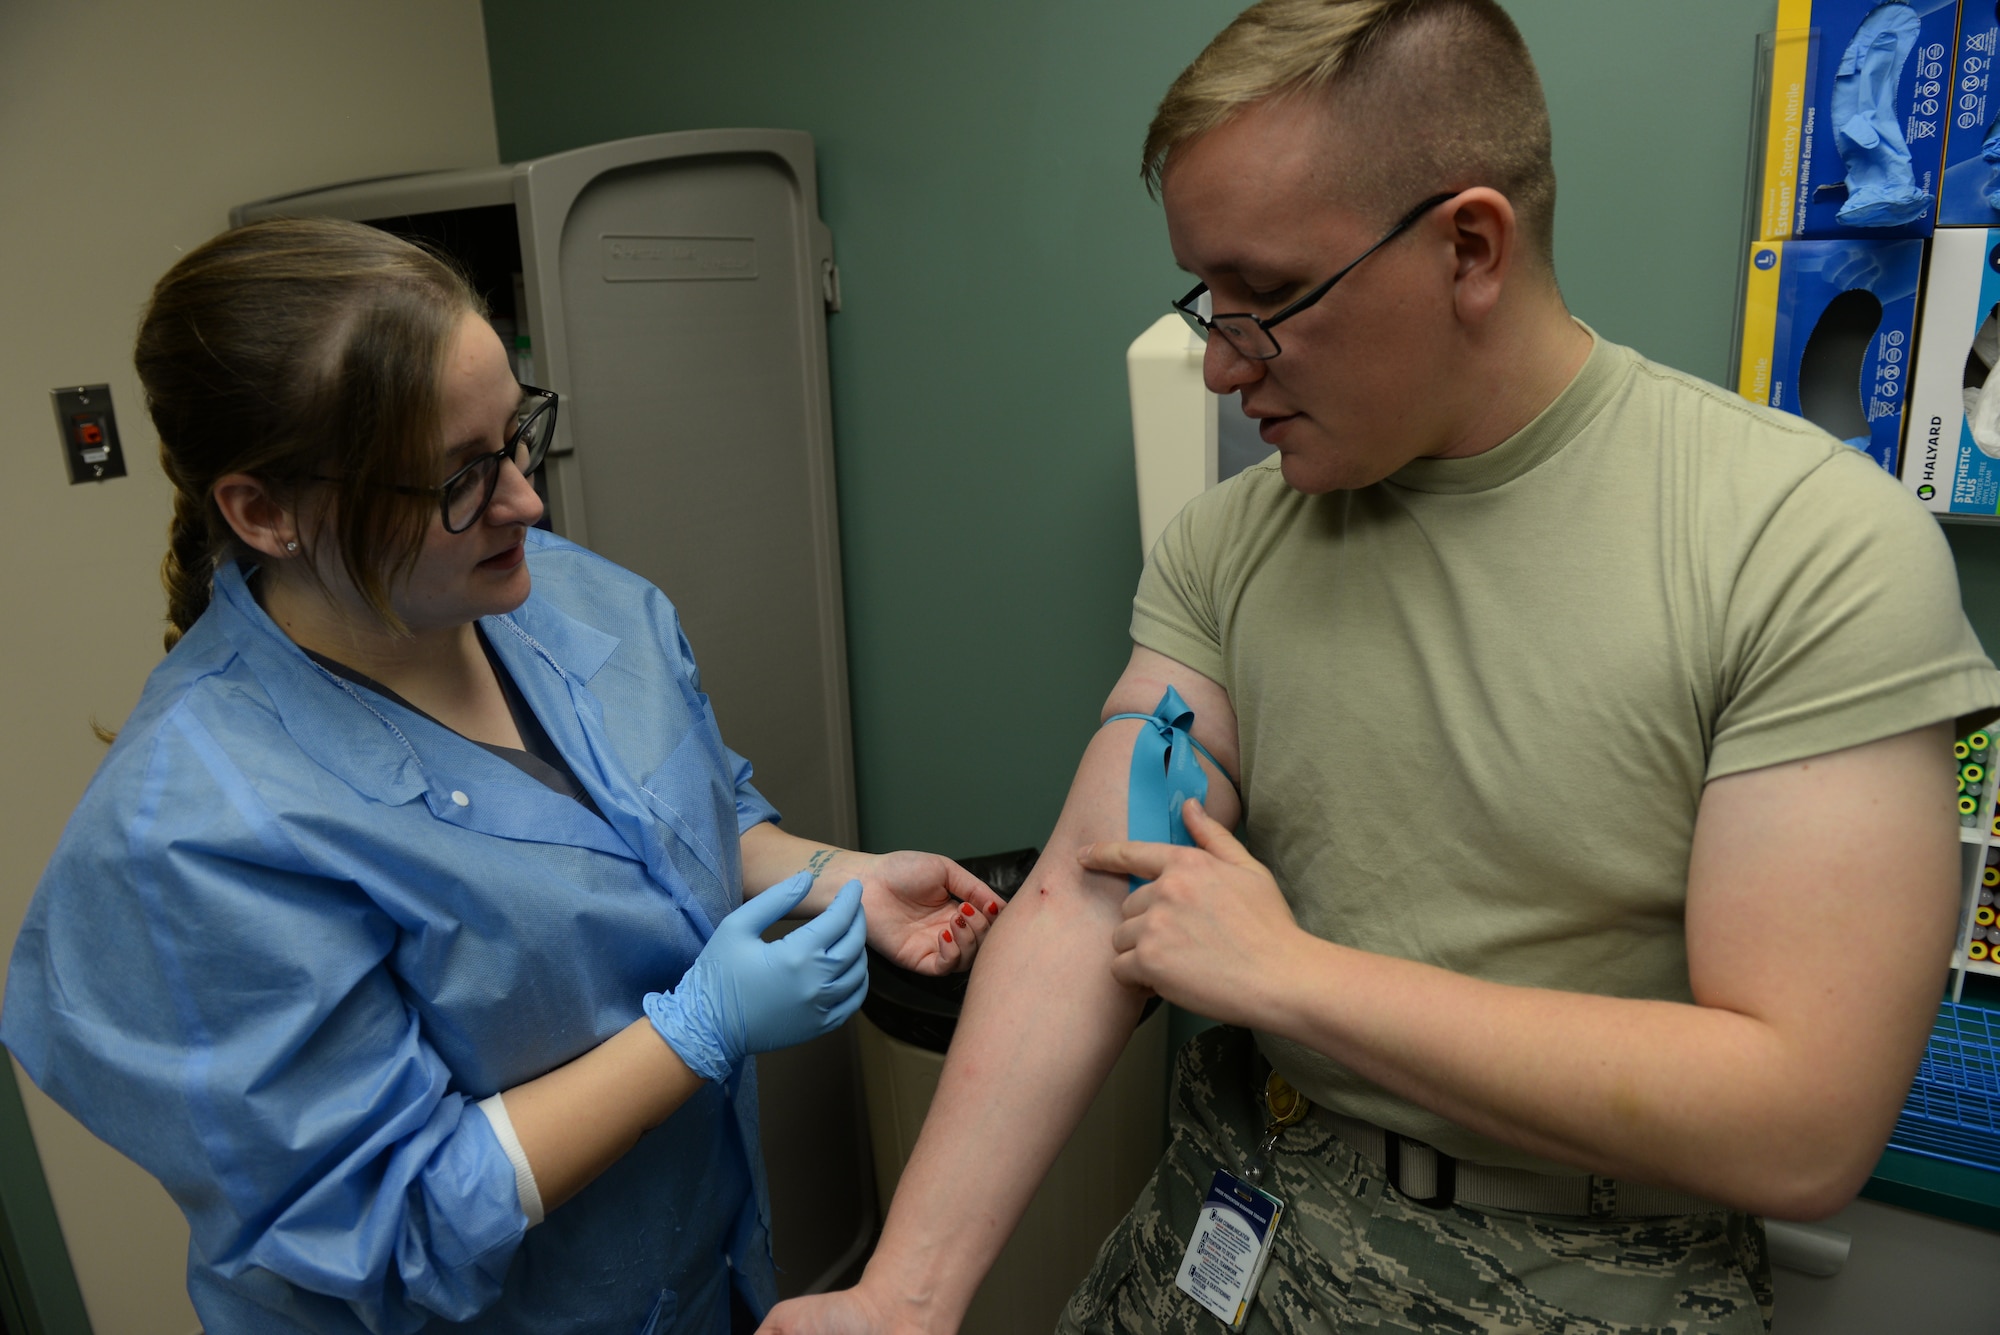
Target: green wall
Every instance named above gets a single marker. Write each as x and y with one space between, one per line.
979 171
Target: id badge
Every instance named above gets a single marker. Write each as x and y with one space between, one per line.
1232 1241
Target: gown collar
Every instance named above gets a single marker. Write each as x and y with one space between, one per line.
384 762
552 657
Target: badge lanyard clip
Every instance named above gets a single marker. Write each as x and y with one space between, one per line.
1287 1107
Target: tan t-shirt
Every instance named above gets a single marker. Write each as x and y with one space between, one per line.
1478 701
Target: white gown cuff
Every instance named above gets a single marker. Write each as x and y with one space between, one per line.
524 1177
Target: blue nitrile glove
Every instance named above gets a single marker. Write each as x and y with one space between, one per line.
744 994
1881 184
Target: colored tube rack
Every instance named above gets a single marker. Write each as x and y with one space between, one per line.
1974 755
1980 935
1983 943
1953 1112
1977 948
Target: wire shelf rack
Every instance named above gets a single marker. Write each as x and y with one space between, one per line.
1953 1112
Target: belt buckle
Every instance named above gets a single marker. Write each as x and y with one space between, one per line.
1446 1172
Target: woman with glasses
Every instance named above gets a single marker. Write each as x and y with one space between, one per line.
411 933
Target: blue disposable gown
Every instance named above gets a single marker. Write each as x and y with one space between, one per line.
276 961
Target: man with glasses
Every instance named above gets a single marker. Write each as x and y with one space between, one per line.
1592 725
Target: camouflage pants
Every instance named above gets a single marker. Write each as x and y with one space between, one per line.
1353 1255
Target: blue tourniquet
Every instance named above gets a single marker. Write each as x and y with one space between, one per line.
1165 774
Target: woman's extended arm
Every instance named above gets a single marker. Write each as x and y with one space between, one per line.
925 912
579 1119
742 995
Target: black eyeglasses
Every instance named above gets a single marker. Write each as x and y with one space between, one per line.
1251 334
464 496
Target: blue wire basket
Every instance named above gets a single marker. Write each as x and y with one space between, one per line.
1953 1112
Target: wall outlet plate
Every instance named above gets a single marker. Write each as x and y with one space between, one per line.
89 433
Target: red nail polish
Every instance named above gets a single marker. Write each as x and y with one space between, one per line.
947 933
992 910
966 909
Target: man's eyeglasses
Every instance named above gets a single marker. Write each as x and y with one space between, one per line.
1251 334
464 496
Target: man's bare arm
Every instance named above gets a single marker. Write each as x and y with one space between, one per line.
1819 914
1043 1023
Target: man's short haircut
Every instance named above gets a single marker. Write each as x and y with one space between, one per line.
1432 94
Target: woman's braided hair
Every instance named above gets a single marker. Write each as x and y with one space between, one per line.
300 351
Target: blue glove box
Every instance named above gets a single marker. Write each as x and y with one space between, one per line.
1969 179
1952 458
1806 179
1828 331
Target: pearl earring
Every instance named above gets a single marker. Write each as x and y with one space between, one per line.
291 547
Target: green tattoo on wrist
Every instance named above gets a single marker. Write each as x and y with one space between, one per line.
817 862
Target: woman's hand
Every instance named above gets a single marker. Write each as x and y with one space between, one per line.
744 994
925 912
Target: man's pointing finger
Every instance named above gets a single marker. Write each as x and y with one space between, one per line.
1133 859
